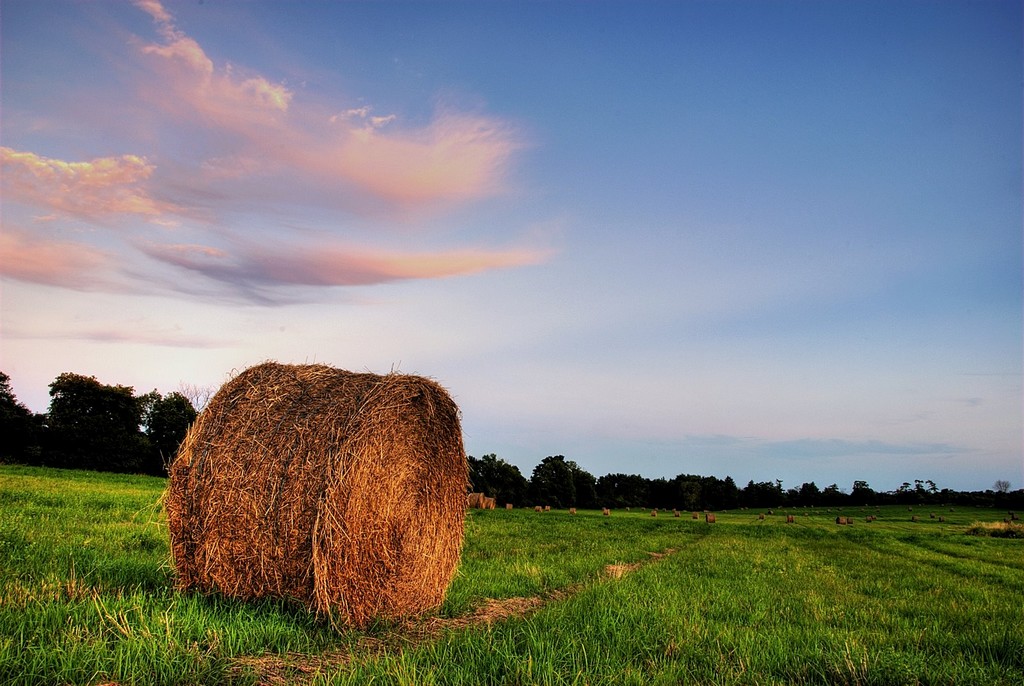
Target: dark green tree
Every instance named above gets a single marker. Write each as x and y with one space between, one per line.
552 483
688 493
497 479
832 496
810 494
862 494
94 426
165 419
763 494
622 490
585 486
18 426
720 494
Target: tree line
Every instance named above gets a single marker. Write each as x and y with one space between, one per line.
562 483
90 425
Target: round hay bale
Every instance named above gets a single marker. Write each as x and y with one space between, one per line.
343 491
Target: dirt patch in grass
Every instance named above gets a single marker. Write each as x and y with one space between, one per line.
295 669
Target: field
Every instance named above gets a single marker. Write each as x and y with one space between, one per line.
540 598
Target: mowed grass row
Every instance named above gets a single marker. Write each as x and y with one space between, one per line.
86 598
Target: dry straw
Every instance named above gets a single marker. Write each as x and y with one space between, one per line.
343 491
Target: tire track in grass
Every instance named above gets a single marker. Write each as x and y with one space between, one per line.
917 550
296 669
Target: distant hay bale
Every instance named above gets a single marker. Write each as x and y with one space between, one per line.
790 519
572 510
654 512
913 518
538 508
841 521
508 506
606 512
709 518
696 515
675 513
488 503
760 516
343 491
547 508
475 501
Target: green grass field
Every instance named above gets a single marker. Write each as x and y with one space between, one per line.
540 598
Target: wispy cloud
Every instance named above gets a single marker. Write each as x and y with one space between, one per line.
455 157
267 142
25 257
251 270
839 448
132 333
104 186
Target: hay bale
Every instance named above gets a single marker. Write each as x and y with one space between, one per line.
508 506
696 515
474 501
790 519
343 491
606 512
654 512
709 518
488 503
675 513
538 508
572 510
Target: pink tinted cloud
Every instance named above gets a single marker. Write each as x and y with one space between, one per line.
53 263
454 158
99 187
270 266
187 84
457 157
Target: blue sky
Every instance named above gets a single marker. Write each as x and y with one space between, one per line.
770 240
